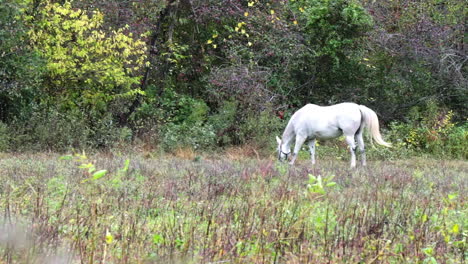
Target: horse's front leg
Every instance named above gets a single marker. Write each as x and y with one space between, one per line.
312 150
352 149
299 141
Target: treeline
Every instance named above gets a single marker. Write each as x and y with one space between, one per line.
209 73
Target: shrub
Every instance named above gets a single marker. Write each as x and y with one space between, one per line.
261 129
4 137
456 144
57 130
224 123
197 136
187 126
432 131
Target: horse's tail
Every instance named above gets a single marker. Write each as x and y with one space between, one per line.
372 123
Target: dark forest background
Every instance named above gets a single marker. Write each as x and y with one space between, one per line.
205 74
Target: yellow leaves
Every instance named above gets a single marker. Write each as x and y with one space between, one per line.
126 52
241 29
301 9
211 41
75 14
62 10
366 62
146 34
246 14
250 4
424 218
272 12
295 22
109 237
76 48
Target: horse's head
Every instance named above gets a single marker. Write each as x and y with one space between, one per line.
282 154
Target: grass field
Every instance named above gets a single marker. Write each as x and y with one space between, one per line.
229 209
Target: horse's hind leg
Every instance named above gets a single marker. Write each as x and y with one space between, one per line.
299 141
360 142
312 150
352 148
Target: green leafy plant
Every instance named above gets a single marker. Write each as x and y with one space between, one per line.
4 137
433 131
81 55
319 185
84 164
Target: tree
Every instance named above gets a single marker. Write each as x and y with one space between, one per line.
20 67
335 31
86 65
417 53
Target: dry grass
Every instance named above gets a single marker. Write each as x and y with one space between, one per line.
243 152
229 209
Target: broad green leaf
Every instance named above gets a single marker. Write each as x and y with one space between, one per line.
452 196
99 174
158 239
127 164
428 251
86 166
424 218
66 157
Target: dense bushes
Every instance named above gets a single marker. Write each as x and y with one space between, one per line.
431 130
51 129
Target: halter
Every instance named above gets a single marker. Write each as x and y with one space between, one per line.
281 152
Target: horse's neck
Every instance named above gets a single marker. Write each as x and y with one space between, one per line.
288 136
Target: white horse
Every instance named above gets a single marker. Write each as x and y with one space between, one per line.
326 122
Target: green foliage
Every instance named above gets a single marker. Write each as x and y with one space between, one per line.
224 123
169 107
184 124
424 62
20 67
55 130
334 33
83 61
197 136
333 27
319 185
4 137
56 189
431 130
260 129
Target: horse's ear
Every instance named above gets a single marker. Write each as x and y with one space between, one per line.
278 140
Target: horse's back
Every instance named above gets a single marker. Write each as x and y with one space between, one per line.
323 120
342 110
